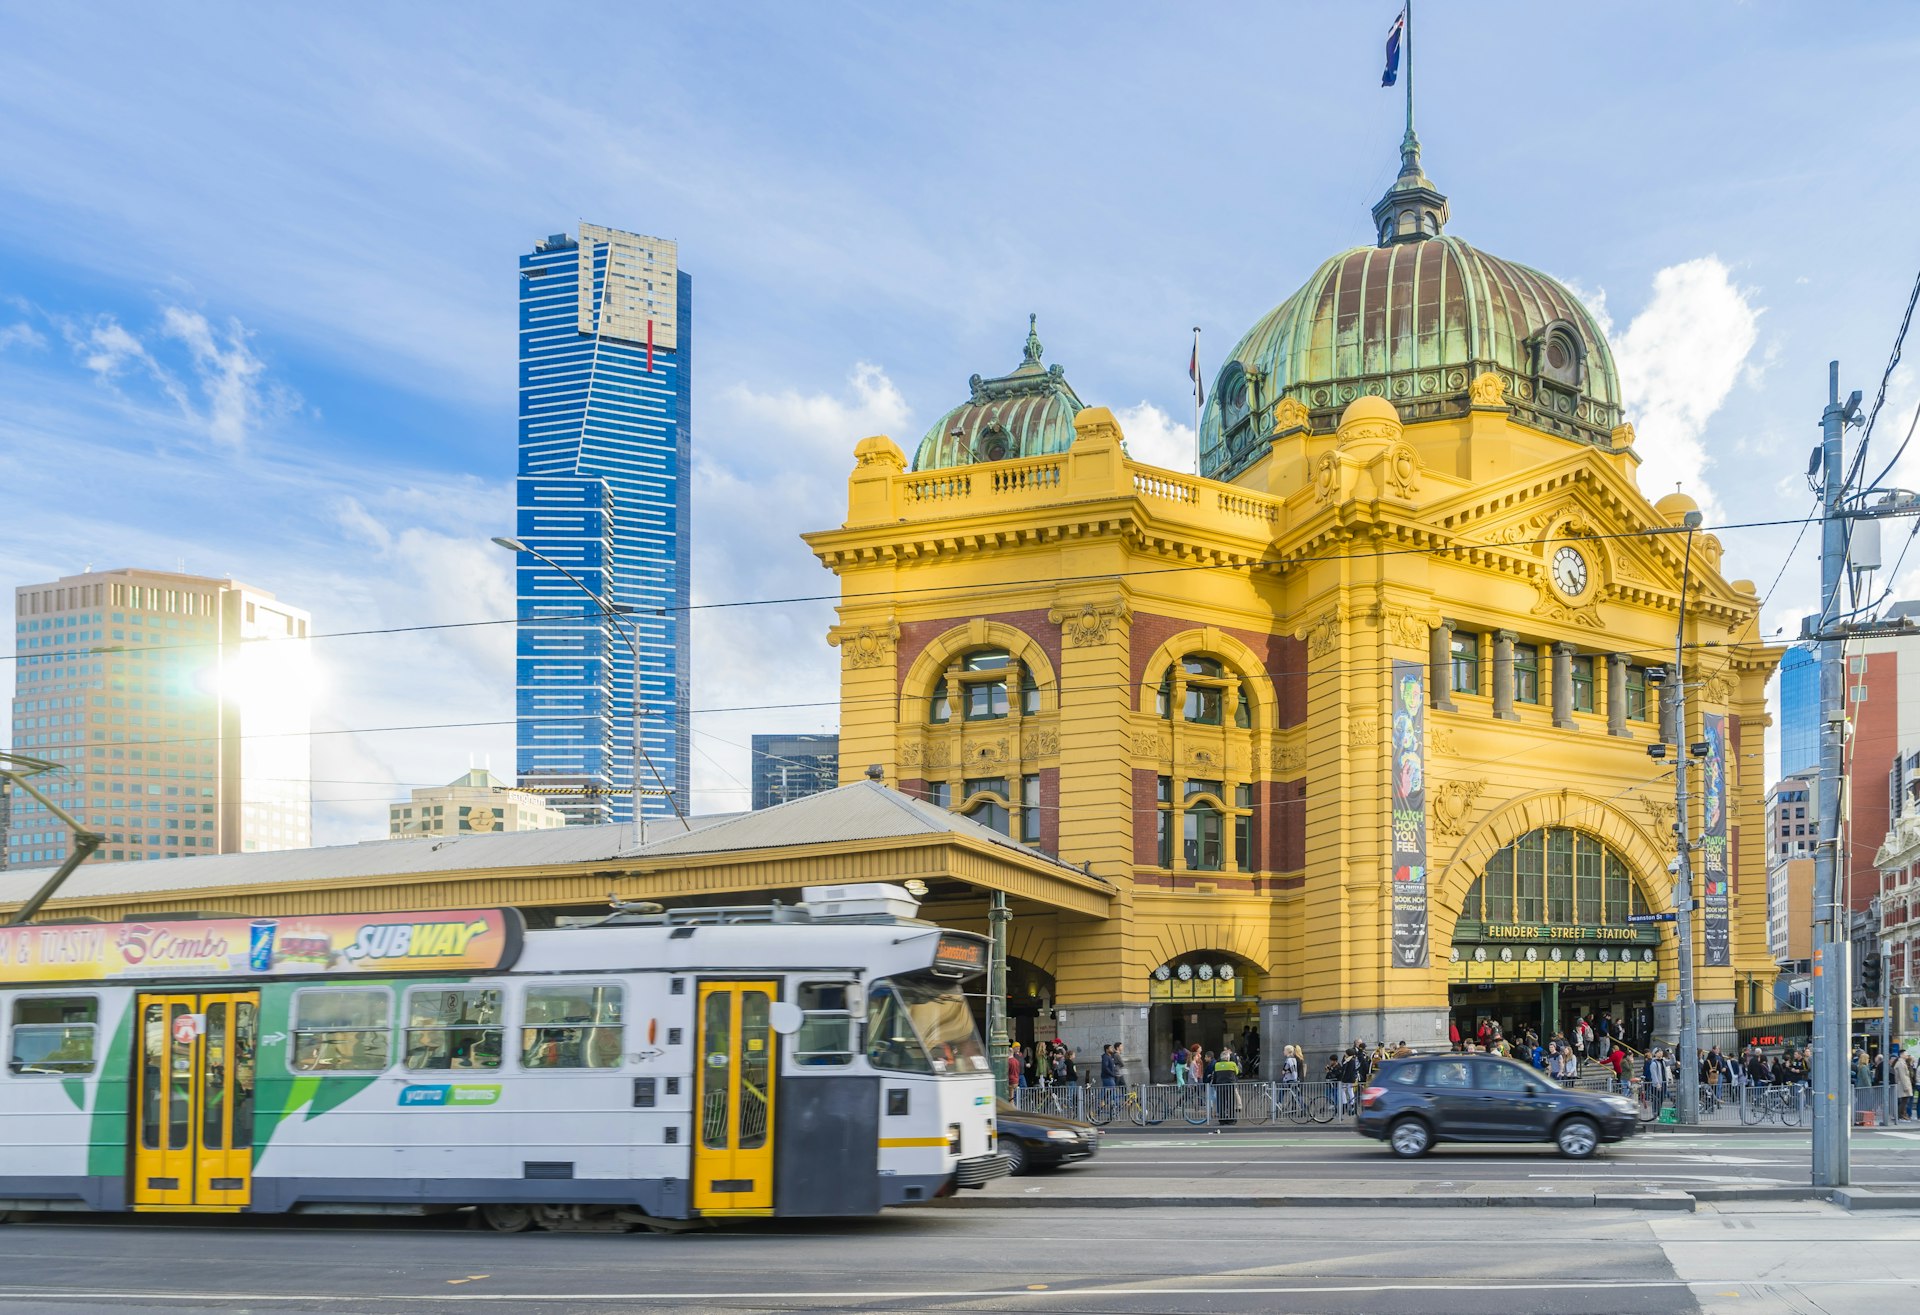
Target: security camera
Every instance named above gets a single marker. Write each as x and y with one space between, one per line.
1673 867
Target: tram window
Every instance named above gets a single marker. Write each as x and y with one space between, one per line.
891 1042
53 1034
571 1027
453 1029
826 1025
342 1031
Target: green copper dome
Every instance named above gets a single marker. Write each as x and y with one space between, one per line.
1414 320
1028 413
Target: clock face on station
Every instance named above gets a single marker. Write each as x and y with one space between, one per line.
1570 572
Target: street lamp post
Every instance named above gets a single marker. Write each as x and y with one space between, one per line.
612 614
1687 1061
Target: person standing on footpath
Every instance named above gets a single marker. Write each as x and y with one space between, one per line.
1226 1073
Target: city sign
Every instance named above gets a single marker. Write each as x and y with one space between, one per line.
1650 917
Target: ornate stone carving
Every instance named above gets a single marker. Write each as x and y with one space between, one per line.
1206 758
1323 632
1289 413
1326 477
1441 738
1402 471
912 753
986 751
1622 436
869 646
1367 431
1719 690
938 752
1288 760
1488 389
1366 731
1555 608
1089 623
1040 744
1662 814
1147 744
1452 801
1400 626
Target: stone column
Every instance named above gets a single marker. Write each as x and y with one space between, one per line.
1562 686
1440 666
1617 695
1503 675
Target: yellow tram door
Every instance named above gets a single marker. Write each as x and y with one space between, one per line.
733 1153
194 1079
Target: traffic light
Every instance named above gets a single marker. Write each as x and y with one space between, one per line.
1870 975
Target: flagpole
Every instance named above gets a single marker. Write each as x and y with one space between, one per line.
1196 399
1409 35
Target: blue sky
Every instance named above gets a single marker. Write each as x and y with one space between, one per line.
257 271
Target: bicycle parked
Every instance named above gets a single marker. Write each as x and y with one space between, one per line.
1775 1104
1290 1100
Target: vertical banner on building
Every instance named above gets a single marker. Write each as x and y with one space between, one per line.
1713 845
1409 815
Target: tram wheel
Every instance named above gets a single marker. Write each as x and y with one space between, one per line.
507 1218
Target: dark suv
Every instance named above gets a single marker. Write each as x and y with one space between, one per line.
1413 1103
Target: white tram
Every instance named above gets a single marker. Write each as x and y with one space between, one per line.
809 1060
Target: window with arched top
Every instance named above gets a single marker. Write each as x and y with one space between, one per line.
1555 875
1207 693
983 689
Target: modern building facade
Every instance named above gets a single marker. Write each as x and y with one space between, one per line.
787 767
178 708
476 803
1799 711
604 485
1356 722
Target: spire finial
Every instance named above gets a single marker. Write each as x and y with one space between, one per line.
1413 209
1033 340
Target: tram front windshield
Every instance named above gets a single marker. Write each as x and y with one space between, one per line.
921 1024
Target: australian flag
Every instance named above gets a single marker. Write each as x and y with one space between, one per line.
1394 33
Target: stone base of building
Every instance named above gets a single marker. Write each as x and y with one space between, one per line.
1323 1034
1088 1028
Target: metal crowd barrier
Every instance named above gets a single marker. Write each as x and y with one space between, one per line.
1195 1104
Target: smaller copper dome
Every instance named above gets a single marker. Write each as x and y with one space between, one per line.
1027 413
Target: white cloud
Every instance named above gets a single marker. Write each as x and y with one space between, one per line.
229 374
234 396
1679 359
20 335
1154 437
768 466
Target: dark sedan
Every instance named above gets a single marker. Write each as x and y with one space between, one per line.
1413 1103
1043 1141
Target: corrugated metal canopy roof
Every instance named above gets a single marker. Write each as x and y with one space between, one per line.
863 811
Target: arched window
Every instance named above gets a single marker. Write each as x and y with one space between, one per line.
1207 688
1555 875
984 692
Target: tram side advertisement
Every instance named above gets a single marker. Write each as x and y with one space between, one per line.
333 944
1409 763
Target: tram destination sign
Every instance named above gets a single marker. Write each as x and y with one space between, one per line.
960 954
321 945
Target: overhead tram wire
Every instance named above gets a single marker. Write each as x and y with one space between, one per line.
111 649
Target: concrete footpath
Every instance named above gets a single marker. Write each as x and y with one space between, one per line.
1113 1193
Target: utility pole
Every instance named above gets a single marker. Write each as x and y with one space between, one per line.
998 1043
1687 1080
1832 993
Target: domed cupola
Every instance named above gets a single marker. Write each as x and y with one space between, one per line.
1027 413
1414 319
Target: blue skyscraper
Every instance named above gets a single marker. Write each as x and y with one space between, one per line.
603 490
1799 711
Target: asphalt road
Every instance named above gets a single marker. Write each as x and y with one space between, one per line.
1070 1262
1881 1158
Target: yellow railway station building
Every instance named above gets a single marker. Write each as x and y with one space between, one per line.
1344 737
1356 722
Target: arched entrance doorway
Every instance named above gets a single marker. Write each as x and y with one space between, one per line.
1544 939
1209 997
1030 1013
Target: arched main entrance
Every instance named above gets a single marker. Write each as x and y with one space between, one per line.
1544 938
1209 997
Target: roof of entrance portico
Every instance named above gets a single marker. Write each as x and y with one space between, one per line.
856 833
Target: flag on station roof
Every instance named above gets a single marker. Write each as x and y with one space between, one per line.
1394 34
1193 372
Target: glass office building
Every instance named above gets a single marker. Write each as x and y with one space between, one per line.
603 491
1799 711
